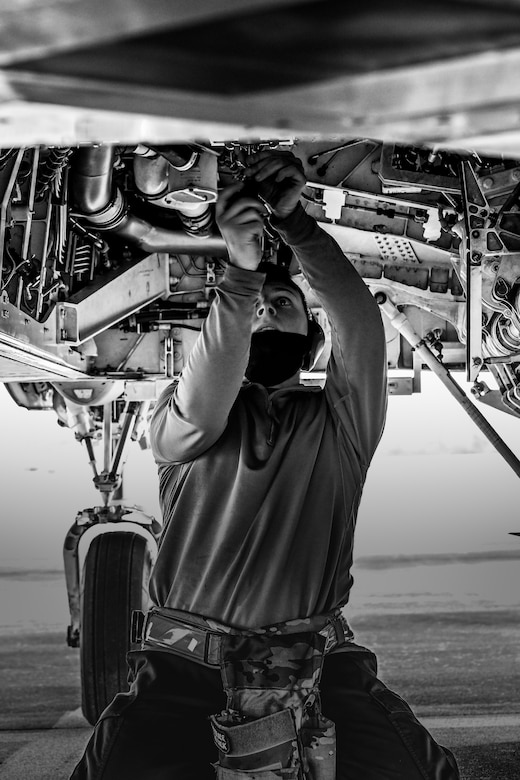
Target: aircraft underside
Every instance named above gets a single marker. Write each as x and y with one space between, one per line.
111 257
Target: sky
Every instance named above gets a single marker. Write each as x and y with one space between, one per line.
435 485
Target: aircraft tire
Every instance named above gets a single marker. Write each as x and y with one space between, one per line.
114 582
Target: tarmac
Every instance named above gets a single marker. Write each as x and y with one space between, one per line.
486 746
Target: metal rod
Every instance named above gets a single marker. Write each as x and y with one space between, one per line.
91 455
107 437
130 352
5 204
43 260
30 204
401 323
130 415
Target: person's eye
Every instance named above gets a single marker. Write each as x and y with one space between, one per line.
282 301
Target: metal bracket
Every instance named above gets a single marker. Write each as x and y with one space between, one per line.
97 308
476 217
67 323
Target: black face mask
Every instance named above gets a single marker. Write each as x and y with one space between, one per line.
275 356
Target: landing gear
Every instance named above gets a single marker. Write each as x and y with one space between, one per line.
114 582
117 558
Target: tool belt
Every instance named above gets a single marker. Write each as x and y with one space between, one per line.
272 726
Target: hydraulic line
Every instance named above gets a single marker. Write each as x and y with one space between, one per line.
104 205
401 323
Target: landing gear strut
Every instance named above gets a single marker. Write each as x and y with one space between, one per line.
112 580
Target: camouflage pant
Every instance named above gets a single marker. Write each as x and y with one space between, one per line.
273 724
160 730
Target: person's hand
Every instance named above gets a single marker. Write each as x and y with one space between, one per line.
279 179
240 219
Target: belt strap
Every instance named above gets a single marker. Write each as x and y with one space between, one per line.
253 736
161 630
185 639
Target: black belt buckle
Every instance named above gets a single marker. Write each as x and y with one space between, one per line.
335 634
137 626
212 648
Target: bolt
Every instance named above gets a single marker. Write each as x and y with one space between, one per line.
477 361
515 175
476 257
475 233
487 183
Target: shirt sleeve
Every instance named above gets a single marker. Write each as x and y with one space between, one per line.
356 374
192 414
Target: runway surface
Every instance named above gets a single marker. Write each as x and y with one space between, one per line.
486 746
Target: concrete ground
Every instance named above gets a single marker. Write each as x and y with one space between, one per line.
486 746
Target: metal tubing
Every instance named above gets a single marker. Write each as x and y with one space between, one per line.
43 260
30 204
105 206
93 178
4 206
401 323
107 437
91 455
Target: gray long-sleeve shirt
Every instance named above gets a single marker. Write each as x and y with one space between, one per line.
260 489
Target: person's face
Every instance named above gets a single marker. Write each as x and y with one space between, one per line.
279 307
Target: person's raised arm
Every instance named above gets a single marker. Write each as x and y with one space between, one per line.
356 374
189 417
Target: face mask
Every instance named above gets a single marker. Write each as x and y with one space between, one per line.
275 356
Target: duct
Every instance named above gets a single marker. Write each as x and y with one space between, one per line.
105 207
181 180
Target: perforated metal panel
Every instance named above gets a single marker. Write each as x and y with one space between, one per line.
394 249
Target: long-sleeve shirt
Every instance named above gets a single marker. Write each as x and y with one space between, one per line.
259 489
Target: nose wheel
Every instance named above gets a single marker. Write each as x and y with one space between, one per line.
114 582
113 579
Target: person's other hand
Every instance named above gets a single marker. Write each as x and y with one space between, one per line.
279 179
240 219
